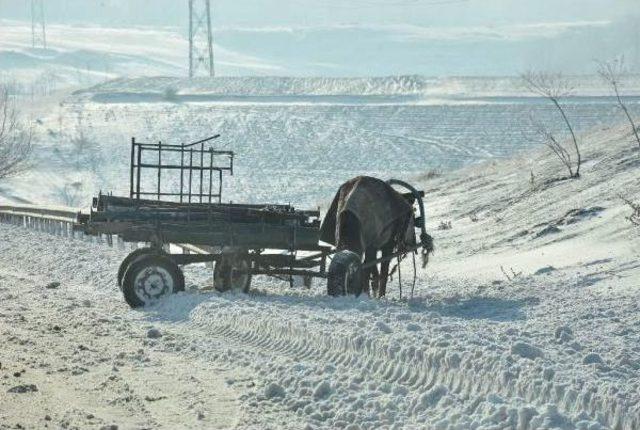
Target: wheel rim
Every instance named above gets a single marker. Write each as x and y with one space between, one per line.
238 275
152 283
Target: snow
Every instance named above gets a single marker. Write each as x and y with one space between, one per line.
315 142
81 55
527 316
526 350
547 349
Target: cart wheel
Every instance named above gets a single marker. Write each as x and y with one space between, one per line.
149 278
232 274
345 274
131 258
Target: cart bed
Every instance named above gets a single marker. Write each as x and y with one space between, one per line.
250 226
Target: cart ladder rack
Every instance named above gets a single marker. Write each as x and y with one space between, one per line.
196 167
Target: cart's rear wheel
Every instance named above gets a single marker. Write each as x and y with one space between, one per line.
131 258
149 278
345 274
232 273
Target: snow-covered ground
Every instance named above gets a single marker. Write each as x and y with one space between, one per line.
527 317
555 346
82 145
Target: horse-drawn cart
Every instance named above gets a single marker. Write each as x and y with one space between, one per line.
183 206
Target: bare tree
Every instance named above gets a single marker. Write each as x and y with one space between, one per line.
612 72
70 194
15 137
634 218
555 86
548 139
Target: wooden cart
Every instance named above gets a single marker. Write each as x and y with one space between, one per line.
176 198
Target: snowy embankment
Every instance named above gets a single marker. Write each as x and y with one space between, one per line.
390 89
555 346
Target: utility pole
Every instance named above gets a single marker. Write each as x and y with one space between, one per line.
200 38
38 33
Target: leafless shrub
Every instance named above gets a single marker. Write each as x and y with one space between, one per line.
510 276
15 137
444 225
430 174
555 86
634 218
86 151
170 94
613 73
532 179
548 139
70 194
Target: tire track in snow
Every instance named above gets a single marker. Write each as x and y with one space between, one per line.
473 375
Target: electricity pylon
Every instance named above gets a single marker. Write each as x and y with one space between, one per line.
38 33
200 38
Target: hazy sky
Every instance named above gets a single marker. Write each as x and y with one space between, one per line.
374 37
272 13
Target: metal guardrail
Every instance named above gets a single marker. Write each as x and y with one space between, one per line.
54 220
60 221
45 212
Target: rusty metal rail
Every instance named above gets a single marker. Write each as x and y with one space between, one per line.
60 221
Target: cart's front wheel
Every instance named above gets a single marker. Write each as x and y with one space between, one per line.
232 273
149 278
345 274
134 255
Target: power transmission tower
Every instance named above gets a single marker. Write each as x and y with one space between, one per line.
38 33
200 38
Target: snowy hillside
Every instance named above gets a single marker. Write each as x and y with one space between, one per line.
289 149
421 87
267 86
527 317
83 55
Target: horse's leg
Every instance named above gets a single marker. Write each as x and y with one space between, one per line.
370 273
387 250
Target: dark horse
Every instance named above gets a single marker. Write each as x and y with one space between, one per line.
366 216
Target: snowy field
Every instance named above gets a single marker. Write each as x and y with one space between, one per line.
287 151
556 347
